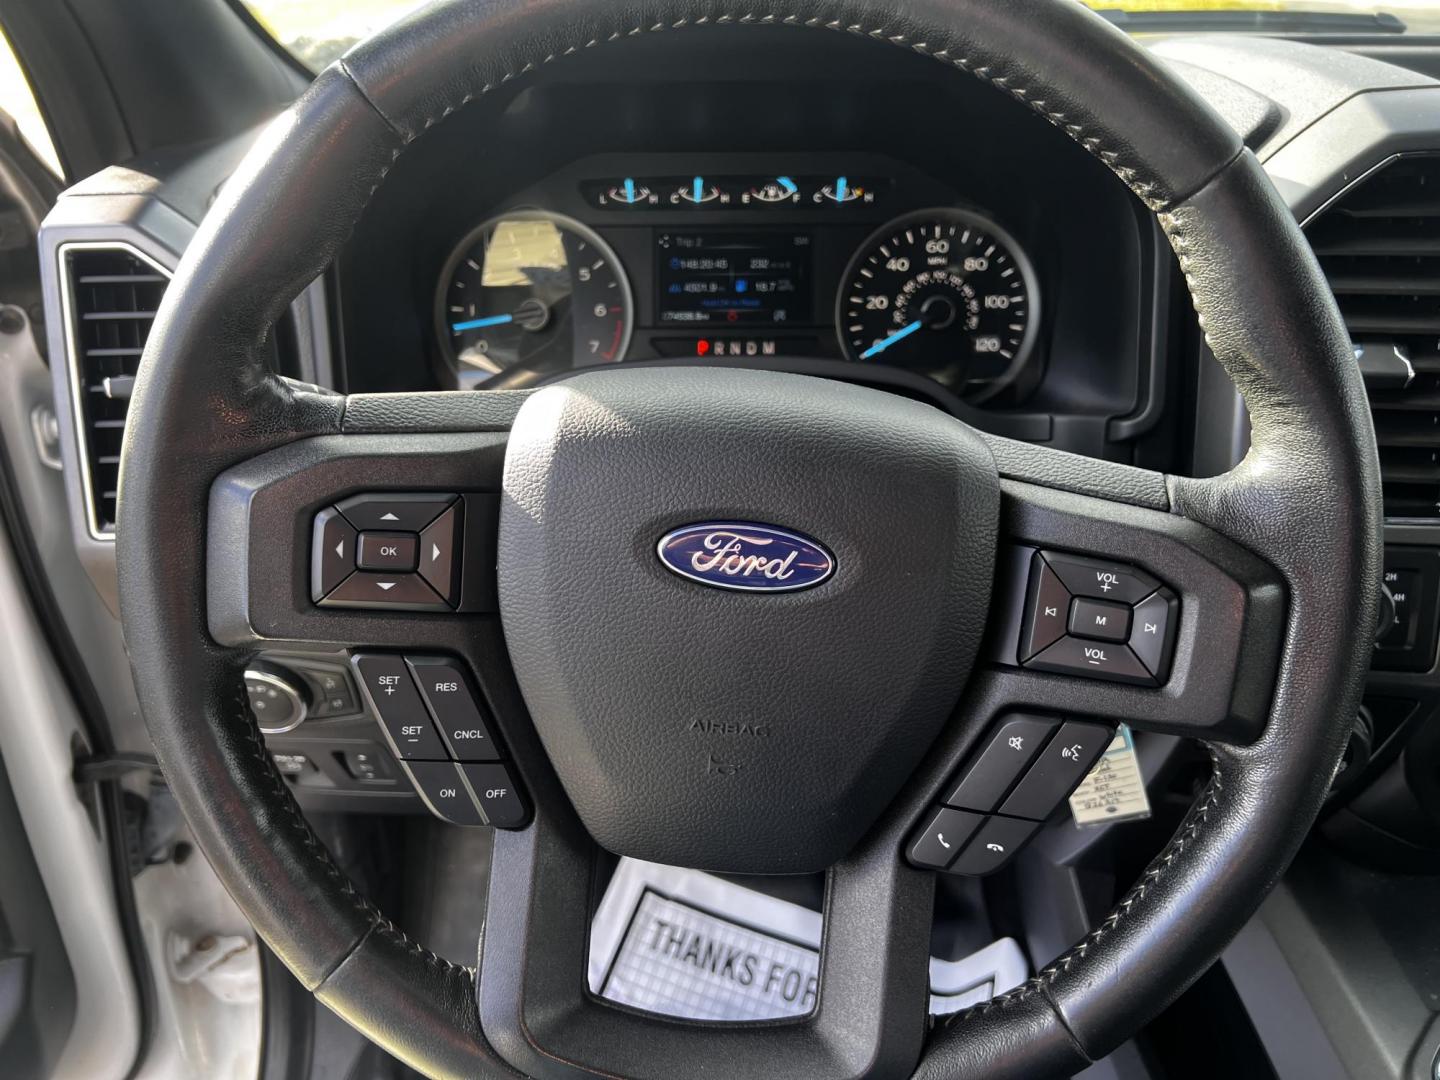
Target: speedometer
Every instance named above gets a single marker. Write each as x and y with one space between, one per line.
530 293
946 293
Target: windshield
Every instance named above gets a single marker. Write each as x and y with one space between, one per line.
318 31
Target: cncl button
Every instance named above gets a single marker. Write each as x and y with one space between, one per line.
455 708
501 801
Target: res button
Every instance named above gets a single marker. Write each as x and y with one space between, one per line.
461 723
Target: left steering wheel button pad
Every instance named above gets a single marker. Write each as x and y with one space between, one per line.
388 550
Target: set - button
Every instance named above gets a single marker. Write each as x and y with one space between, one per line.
1027 769
1097 618
443 738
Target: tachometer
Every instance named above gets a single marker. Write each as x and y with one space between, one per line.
946 293
530 293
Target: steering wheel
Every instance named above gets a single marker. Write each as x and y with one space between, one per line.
872 684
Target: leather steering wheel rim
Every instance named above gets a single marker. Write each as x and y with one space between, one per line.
1306 499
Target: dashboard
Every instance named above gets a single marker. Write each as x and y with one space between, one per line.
873 220
739 260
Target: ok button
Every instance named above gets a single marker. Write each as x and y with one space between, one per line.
388 551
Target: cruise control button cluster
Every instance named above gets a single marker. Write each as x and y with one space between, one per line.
1026 770
1097 618
396 550
441 735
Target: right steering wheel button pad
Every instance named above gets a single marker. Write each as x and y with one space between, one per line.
1027 770
442 738
1098 619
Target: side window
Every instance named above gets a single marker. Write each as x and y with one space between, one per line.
17 101
316 32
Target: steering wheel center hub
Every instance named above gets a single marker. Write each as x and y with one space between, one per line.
740 604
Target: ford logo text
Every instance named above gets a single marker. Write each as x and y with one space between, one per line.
745 556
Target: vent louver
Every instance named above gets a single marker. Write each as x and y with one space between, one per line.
1379 245
113 293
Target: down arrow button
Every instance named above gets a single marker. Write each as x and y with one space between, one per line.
438 564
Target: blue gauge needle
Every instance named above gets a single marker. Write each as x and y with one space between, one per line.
883 344
476 324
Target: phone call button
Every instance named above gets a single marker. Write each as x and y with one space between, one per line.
936 845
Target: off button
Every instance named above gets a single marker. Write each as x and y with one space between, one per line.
499 798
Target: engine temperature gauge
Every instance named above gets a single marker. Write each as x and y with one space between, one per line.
699 191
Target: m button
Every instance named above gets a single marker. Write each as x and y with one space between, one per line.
1100 620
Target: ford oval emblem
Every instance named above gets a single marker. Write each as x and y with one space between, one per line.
744 556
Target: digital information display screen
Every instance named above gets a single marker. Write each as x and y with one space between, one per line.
721 277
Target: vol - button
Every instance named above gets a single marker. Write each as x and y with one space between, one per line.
1100 660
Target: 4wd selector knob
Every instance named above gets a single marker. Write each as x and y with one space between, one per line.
278 700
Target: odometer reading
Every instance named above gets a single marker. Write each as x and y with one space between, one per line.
945 293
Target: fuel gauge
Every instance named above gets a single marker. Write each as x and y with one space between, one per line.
781 189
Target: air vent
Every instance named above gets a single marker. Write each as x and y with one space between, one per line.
112 293
1379 245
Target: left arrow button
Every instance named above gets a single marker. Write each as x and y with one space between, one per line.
332 558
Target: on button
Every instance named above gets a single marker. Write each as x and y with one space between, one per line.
444 791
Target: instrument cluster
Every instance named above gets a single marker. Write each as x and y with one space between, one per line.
629 260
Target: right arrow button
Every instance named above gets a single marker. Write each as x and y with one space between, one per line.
438 546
